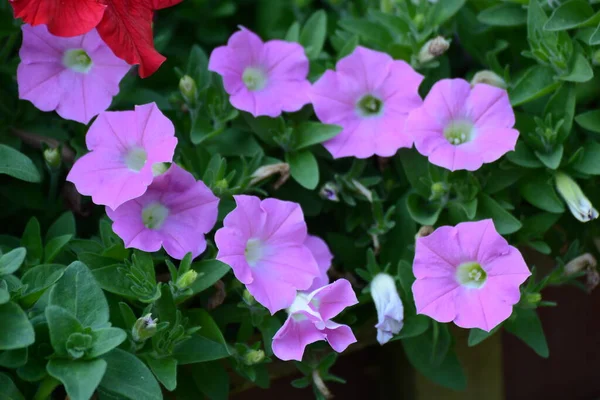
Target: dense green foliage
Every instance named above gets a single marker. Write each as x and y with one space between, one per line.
71 295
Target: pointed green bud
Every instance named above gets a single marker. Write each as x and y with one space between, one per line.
578 203
53 157
533 298
248 298
144 328
188 88
253 357
186 280
438 190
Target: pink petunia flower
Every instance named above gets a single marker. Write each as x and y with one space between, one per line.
468 274
323 256
263 242
76 76
370 96
309 321
262 78
175 212
124 146
459 127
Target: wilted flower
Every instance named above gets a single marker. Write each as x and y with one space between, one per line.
262 78
330 191
489 78
580 263
264 243
433 48
265 171
309 321
323 257
459 127
124 146
77 77
369 95
468 274
175 212
390 311
580 206
144 328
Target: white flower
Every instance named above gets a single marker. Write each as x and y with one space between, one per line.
390 311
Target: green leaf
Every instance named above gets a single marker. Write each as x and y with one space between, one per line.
590 162
562 106
540 192
80 377
527 327
11 261
165 370
55 246
210 330
304 168
367 30
551 160
79 293
310 133
477 336
448 373
197 67
61 324
18 165
38 279
9 389
504 14
4 293
13 358
212 380
32 241
444 10
504 221
524 157
104 340
64 225
422 210
589 120
209 272
293 33
199 349
572 14
127 376
313 34
21 332
538 81
580 70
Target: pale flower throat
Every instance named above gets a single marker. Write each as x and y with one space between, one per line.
77 60
471 275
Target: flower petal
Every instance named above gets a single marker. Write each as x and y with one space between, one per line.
290 341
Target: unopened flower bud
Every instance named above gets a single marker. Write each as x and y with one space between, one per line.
579 264
596 57
425 230
433 49
186 280
253 357
438 190
533 299
266 171
489 78
329 191
53 157
221 184
248 298
144 328
390 311
578 203
188 88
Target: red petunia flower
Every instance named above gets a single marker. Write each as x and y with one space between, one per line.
124 25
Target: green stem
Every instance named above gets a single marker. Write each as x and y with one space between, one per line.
46 388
